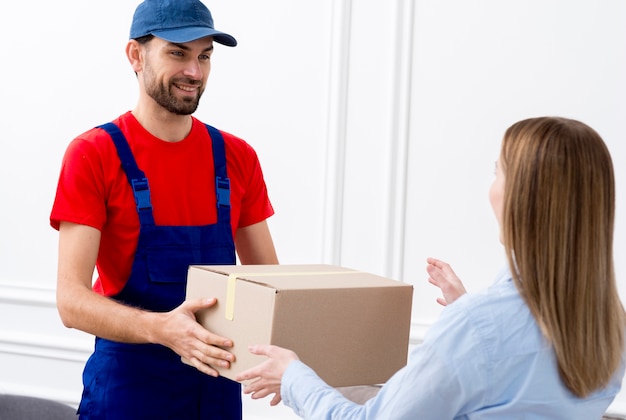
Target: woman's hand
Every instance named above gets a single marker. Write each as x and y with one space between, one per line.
266 377
442 276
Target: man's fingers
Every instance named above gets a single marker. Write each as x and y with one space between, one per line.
217 340
204 368
194 305
214 356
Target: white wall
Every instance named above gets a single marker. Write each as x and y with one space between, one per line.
377 124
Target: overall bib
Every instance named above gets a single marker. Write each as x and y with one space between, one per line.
149 381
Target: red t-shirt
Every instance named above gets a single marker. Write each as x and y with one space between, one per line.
93 189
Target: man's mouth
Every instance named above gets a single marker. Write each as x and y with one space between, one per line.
186 88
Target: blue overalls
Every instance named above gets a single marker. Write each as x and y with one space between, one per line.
149 381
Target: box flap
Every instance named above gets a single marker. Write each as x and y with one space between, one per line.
303 276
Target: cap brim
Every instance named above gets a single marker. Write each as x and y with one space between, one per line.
182 35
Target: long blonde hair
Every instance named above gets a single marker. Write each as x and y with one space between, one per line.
557 230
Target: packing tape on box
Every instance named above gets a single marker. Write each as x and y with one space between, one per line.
229 313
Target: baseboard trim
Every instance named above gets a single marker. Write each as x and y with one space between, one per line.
45 346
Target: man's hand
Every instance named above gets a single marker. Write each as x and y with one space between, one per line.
200 347
267 376
442 276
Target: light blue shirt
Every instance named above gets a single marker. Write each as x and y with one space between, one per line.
485 358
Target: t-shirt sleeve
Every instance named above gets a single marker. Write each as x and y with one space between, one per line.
243 164
80 195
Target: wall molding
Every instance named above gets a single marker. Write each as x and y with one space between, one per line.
418 332
46 346
34 343
400 123
27 295
339 66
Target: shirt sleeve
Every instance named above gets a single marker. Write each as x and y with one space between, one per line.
80 196
243 164
436 384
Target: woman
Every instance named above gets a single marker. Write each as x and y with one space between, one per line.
546 340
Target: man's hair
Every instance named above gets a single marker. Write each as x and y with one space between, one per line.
144 39
557 229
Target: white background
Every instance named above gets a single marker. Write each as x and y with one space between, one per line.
377 124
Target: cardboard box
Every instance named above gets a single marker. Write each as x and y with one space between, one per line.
351 327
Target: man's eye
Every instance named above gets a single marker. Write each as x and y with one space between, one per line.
205 57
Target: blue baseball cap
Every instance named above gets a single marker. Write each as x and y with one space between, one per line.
176 21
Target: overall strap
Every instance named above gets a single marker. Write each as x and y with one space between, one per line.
222 183
136 178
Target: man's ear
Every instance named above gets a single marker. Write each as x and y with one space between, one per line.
134 53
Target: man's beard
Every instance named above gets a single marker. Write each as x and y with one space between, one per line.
163 96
